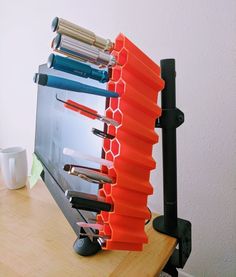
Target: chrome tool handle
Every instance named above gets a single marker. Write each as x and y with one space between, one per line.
65 27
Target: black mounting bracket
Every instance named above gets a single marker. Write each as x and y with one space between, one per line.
182 233
169 223
170 118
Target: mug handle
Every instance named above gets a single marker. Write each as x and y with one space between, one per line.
12 169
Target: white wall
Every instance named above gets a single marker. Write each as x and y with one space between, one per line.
201 36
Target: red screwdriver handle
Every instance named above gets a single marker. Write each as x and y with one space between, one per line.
81 109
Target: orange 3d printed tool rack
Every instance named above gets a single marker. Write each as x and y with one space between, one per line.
115 218
136 78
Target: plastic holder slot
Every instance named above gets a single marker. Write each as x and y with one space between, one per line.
136 78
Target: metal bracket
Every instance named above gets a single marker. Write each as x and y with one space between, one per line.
170 118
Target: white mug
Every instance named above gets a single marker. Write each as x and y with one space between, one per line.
14 169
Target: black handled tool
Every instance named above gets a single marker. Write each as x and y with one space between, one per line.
88 202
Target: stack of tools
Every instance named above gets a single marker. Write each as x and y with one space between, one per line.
133 82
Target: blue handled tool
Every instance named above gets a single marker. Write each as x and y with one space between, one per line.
66 84
77 68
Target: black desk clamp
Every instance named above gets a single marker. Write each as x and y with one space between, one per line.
169 223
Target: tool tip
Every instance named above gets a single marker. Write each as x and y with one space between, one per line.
35 78
67 167
40 79
50 60
54 24
56 41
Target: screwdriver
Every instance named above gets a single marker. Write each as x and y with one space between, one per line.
88 174
86 111
102 238
102 134
72 47
90 225
66 84
65 27
77 154
77 68
89 202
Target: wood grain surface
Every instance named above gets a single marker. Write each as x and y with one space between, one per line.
36 240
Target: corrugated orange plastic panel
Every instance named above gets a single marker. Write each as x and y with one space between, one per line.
137 80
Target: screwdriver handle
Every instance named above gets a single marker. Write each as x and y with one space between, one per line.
82 51
66 84
81 109
77 68
65 27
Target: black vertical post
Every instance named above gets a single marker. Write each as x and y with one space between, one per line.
169 224
169 146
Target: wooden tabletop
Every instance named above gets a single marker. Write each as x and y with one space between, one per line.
36 240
